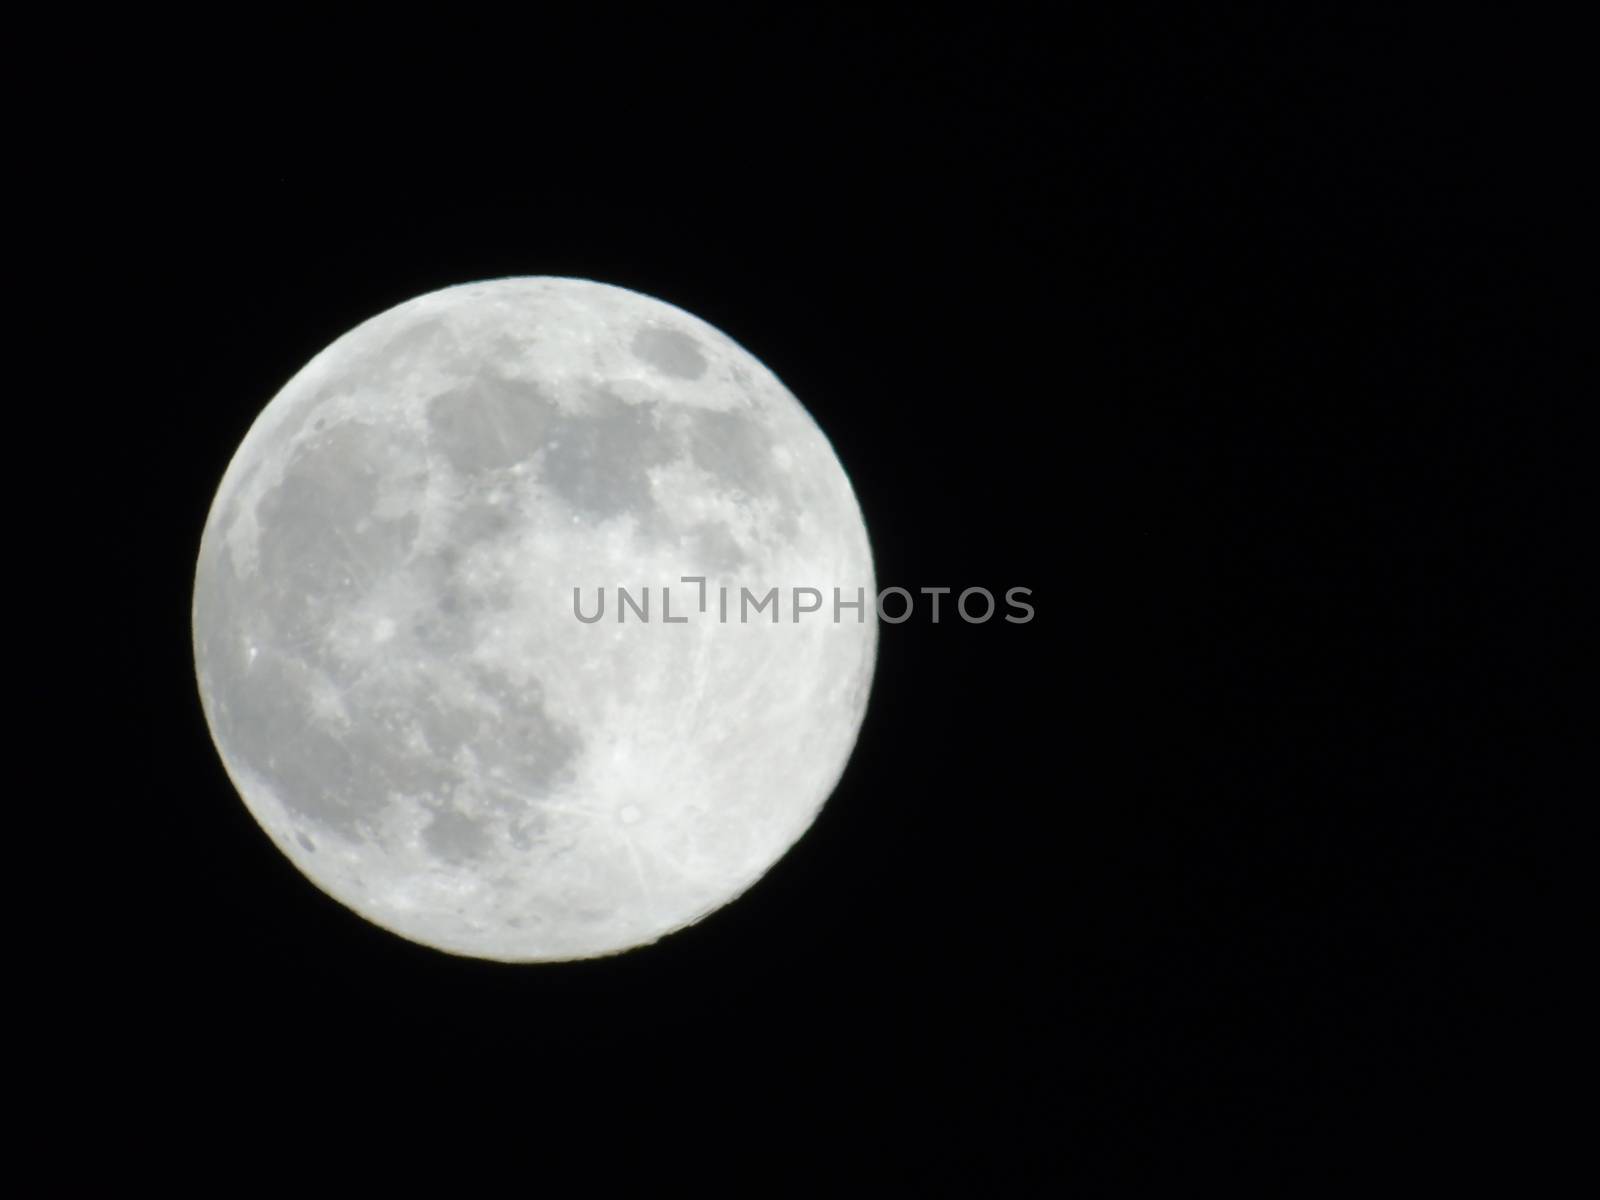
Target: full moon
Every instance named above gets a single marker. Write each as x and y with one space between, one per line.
395 631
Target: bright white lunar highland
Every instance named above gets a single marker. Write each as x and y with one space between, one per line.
386 644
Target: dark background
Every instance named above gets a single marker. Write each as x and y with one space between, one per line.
1216 333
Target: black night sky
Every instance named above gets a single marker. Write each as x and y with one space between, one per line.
1215 333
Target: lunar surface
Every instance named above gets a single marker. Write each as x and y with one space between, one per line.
387 642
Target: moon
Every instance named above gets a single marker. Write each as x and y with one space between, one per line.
387 632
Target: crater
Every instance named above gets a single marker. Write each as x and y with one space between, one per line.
343 516
599 461
735 449
337 776
521 747
420 341
455 837
714 547
669 351
489 424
